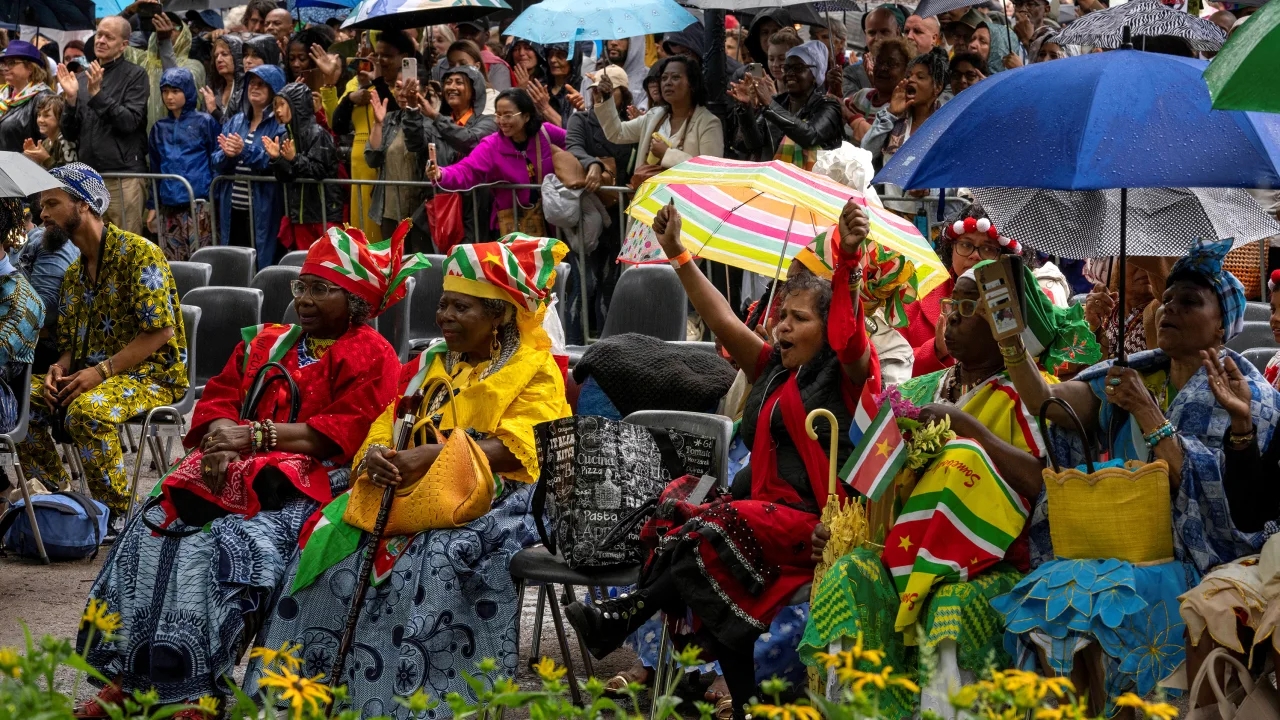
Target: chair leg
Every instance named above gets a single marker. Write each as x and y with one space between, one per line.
574 692
660 670
520 585
71 459
26 498
137 468
130 442
587 663
535 651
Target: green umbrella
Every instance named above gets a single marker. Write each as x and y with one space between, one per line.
1242 76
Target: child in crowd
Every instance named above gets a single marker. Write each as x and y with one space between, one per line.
306 151
182 143
55 150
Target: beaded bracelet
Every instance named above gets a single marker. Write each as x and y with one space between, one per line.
1154 437
257 436
1234 439
271 439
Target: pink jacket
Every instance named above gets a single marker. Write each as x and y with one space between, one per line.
496 159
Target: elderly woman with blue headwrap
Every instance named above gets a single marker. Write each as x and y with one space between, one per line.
1162 405
794 125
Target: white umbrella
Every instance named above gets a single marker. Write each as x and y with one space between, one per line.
19 177
1144 18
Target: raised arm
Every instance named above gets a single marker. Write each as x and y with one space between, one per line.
1033 389
743 344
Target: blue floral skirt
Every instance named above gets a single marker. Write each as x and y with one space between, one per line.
1131 611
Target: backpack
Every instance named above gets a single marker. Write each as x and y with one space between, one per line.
71 525
601 479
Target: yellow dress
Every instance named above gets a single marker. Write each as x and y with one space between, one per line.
361 195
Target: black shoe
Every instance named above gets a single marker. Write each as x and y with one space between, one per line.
604 626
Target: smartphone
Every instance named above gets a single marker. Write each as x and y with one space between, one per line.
755 69
431 153
1001 291
409 68
146 16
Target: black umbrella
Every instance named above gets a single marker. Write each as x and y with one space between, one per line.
52 14
1162 222
397 14
1144 18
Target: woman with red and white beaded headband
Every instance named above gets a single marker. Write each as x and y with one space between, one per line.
963 244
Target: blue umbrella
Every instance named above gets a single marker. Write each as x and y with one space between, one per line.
1119 119
398 14
568 21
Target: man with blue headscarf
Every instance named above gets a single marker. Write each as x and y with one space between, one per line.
122 346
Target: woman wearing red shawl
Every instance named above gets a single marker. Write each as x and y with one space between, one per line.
735 562
190 599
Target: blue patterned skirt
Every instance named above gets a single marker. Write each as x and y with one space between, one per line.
448 604
185 602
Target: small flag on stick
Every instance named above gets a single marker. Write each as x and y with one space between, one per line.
880 454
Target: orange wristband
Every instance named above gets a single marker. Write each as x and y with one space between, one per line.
680 260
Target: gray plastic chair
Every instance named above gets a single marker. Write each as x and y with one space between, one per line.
394 323
226 311
1257 311
294 258
1255 335
190 275
276 295
429 286
649 300
1259 357
9 444
168 416
232 266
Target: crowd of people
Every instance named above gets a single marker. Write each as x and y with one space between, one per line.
214 562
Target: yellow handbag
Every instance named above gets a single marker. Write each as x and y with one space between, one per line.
1083 506
457 489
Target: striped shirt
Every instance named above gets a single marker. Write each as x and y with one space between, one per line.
240 191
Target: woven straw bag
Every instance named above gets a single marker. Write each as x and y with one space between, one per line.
1084 504
456 490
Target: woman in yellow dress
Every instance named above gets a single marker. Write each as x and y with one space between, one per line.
442 600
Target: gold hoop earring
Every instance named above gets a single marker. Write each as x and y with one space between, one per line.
495 347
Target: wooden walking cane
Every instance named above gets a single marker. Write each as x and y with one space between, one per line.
406 411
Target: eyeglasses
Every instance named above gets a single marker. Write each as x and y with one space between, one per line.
796 68
986 252
319 291
508 116
966 308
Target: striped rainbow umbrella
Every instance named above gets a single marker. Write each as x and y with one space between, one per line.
757 215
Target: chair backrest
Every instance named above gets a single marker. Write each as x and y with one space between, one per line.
294 258
649 300
558 289
718 427
276 296
225 311
232 266
394 323
1254 335
429 286
707 347
189 275
23 396
191 315
1259 357
1257 311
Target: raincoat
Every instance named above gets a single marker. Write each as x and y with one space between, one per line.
265 197
316 159
183 145
159 57
221 113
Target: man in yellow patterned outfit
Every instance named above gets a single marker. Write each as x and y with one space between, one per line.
120 335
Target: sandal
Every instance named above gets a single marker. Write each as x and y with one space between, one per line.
724 709
93 708
616 684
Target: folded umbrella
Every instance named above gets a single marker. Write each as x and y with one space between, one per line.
569 21
1144 18
757 215
1162 222
1242 76
19 177
396 14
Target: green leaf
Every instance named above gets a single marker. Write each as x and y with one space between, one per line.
79 663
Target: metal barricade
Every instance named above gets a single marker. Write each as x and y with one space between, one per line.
154 179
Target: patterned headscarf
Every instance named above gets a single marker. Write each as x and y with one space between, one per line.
888 278
85 184
1205 259
375 273
518 269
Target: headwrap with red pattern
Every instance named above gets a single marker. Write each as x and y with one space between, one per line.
376 273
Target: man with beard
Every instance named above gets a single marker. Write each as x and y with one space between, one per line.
622 54
44 259
122 346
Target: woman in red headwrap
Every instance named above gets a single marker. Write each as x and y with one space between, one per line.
255 474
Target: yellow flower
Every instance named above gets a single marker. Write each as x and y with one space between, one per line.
96 616
1160 711
286 658
965 697
882 680
1049 714
547 670
209 705
1130 700
786 712
875 657
301 693
9 661
1059 686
